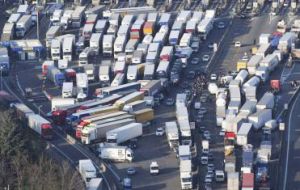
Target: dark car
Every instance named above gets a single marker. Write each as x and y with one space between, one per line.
170 101
191 75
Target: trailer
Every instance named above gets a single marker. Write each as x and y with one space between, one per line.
243 133
151 88
68 47
266 102
119 45
149 72
55 76
134 96
87 170
124 133
259 118
125 88
204 27
78 16
23 25
172 134
162 70
101 26
104 74
186 176
108 41
90 134
135 106
40 125
164 19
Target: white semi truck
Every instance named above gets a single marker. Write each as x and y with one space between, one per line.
116 153
186 177
123 134
87 170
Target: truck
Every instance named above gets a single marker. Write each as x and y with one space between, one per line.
164 19
56 49
129 49
95 183
67 90
263 73
249 107
23 25
149 72
148 28
286 42
107 45
56 16
242 76
144 116
66 19
270 61
52 32
162 70
101 26
118 80
132 73
55 76
85 56
204 27
259 118
40 125
13 18
233 181
135 106
4 61
116 153
190 26
124 133
266 102
185 40
78 16
143 47
76 117
185 130
95 43
253 81
253 63
119 45
263 50
151 88
59 102
184 152
137 57
89 70
82 86
104 75
186 176
205 146
87 170
247 181
68 46
119 67
167 53
247 159
174 37
124 88
264 152
243 133
172 134
95 133
8 32
134 96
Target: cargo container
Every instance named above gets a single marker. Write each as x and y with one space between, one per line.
104 74
152 17
259 118
101 26
13 18
135 106
253 81
152 88
68 47
107 46
124 133
174 37
242 76
204 27
253 63
78 16
270 61
144 115
249 107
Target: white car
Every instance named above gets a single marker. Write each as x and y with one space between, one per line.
213 77
205 58
154 168
159 131
237 44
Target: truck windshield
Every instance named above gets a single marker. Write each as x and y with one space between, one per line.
186 179
154 168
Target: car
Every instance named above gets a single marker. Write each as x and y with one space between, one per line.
203 99
201 129
210 173
185 84
245 58
131 171
221 25
206 135
195 61
191 75
159 131
210 156
244 16
208 179
234 73
200 116
205 58
170 101
237 44
210 167
127 184
222 132
197 105
198 120
202 110
208 186
213 77
210 45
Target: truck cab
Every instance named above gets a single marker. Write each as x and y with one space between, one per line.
154 168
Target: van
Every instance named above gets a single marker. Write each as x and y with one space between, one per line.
219 176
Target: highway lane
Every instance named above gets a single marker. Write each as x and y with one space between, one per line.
292 167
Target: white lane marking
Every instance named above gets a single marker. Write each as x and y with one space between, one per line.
288 144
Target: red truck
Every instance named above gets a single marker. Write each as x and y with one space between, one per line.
275 85
40 125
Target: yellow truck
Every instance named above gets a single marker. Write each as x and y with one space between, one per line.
241 65
144 115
